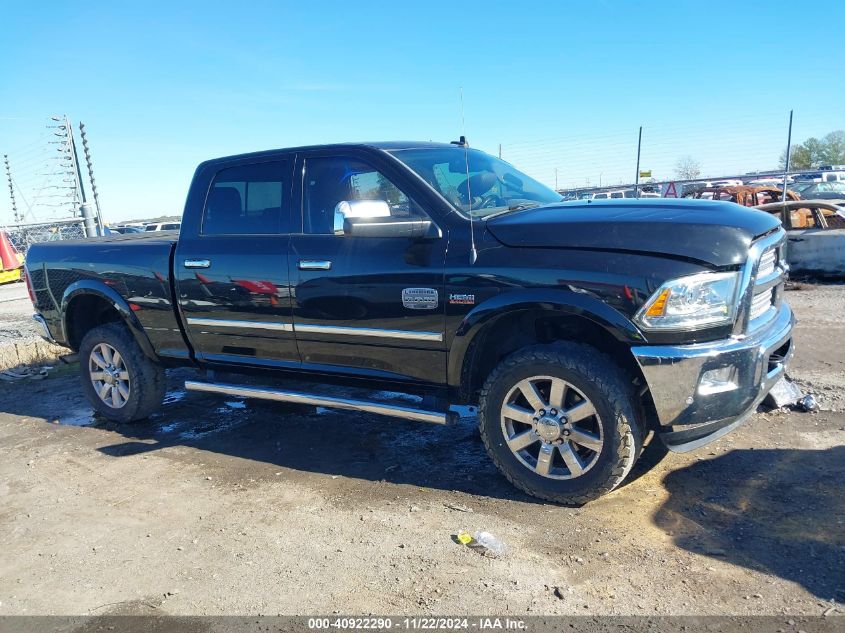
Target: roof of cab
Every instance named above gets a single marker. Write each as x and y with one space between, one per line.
382 145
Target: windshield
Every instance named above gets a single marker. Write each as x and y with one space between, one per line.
800 186
492 185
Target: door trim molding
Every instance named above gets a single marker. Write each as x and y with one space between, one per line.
375 332
407 335
249 325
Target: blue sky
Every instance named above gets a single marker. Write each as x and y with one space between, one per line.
162 86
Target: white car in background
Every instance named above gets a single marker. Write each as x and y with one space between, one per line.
163 226
618 193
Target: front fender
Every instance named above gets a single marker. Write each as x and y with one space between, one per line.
552 301
89 287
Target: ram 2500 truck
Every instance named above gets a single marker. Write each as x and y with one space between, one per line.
580 329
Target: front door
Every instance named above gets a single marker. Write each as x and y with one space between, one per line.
232 273
368 305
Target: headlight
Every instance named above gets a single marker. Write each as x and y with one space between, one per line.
691 303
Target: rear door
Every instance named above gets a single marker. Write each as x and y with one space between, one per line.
371 306
232 271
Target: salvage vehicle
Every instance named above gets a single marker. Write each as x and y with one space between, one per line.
579 329
744 195
831 191
807 214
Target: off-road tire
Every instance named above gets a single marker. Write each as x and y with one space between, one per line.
612 394
147 379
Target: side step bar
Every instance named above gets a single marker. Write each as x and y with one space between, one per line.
265 393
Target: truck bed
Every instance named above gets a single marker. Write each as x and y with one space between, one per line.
137 267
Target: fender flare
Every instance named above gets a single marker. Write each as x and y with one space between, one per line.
551 301
89 287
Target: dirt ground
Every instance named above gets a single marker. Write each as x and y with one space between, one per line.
217 505
19 339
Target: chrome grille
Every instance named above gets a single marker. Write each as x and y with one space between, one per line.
767 263
760 303
767 268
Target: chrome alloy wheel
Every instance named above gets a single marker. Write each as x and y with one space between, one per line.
109 375
551 427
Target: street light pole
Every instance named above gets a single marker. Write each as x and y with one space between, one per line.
637 179
785 218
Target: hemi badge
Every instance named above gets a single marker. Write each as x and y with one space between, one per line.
419 298
462 299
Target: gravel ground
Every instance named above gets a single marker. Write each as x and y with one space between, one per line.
217 505
15 314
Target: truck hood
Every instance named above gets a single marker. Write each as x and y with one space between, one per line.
715 233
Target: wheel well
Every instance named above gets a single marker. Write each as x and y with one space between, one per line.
86 312
514 331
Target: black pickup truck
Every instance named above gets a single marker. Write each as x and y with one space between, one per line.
580 330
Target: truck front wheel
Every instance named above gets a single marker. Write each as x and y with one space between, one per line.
560 422
118 379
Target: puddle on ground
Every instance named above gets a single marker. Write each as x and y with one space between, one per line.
78 417
175 396
209 428
169 428
465 411
231 407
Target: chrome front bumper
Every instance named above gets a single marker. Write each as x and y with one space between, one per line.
691 412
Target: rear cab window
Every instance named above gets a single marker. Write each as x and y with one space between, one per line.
248 200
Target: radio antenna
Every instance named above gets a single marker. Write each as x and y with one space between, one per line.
473 254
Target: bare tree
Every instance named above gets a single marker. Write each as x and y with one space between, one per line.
687 168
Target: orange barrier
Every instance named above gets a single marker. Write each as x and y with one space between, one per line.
11 260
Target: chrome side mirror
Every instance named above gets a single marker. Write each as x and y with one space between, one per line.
347 209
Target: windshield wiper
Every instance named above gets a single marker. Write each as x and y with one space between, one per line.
523 205
516 207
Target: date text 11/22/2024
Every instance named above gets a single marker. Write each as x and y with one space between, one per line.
417 623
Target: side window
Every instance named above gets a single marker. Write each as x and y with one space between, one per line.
329 181
247 200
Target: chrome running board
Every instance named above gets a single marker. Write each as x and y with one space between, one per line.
266 393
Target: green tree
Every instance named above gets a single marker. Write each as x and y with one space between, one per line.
813 152
388 192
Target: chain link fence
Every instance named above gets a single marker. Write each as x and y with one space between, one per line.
23 236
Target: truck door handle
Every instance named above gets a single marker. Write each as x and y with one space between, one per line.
197 263
313 264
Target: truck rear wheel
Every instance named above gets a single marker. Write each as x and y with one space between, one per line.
560 422
118 379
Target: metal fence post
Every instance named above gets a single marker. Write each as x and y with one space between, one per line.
12 189
88 218
87 152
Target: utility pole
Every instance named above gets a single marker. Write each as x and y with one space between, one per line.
84 208
69 129
500 150
70 162
11 188
87 153
785 218
555 178
637 179
66 164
